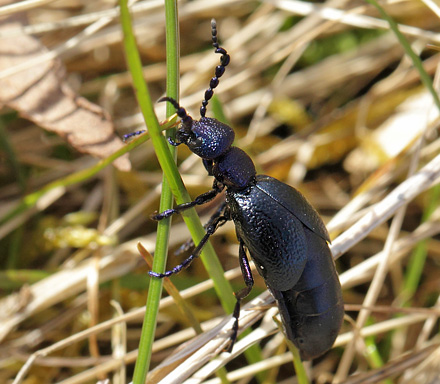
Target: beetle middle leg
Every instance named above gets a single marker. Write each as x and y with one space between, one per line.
242 293
210 230
190 243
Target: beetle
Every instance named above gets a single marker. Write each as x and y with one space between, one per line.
284 235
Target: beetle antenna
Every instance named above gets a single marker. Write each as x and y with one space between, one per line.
219 70
181 112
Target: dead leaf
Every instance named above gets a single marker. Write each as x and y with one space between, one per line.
42 95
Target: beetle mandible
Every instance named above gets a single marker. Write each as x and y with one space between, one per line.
284 235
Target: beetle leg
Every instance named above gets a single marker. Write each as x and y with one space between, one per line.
128 135
242 293
210 230
199 200
190 243
208 166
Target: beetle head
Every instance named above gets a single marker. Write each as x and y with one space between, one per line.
208 138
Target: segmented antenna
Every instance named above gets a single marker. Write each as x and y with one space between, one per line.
181 112
219 70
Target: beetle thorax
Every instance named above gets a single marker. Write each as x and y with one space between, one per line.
234 169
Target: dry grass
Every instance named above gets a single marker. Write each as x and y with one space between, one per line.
327 102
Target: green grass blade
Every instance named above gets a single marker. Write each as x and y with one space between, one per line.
424 77
166 161
166 202
165 158
418 257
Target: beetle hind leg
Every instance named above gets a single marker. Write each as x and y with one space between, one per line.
242 293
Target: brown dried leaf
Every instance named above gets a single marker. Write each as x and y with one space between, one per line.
42 95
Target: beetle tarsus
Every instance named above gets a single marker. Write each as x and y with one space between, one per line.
132 134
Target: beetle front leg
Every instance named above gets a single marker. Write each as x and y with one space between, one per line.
132 134
199 200
242 293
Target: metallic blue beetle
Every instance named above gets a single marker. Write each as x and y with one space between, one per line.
282 232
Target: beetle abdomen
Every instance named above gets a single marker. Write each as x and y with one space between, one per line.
313 310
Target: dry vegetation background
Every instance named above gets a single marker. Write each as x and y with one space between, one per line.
321 95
